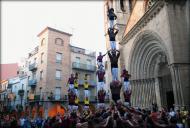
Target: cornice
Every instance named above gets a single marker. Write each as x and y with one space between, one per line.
148 16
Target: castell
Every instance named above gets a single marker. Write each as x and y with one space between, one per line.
86 92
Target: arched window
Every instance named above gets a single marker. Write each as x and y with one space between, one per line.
43 42
130 6
59 41
122 5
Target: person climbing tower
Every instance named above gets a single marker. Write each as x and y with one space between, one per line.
111 16
112 32
125 75
71 83
100 59
86 91
86 103
127 97
100 73
101 97
114 56
115 87
100 86
76 90
72 97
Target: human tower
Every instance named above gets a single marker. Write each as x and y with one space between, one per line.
115 84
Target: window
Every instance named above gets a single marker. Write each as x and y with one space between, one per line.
41 75
122 5
88 64
43 42
42 57
58 57
77 61
57 93
58 75
130 5
59 41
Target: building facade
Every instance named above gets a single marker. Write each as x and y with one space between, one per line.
154 45
84 62
49 67
17 92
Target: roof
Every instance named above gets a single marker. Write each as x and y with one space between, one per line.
8 71
77 47
53 29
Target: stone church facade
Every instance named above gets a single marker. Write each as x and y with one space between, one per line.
154 41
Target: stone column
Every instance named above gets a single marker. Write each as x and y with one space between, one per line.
138 93
134 93
151 91
157 90
181 86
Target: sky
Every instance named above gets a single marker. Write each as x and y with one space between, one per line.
21 22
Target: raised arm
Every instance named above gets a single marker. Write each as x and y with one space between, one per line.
117 30
105 54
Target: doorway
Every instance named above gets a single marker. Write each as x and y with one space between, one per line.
170 99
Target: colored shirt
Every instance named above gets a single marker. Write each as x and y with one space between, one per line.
86 101
100 75
76 83
76 100
114 60
100 57
71 98
154 116
101 96
125 75
86 85
111 15
71 80
112 35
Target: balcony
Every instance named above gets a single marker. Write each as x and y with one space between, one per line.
92 99
21 92
92 83
85 67
32 83
33 67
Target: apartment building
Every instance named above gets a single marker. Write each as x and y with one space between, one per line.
50 65
84 62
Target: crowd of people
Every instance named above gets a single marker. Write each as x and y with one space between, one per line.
113 116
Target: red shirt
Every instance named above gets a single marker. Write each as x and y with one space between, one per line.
100 76
154 116
127 95
99 59
101 96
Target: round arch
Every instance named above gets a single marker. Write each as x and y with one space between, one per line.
148 66
146 43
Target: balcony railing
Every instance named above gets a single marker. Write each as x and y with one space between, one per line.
54 98
92 83
92 98
32 83
81 66
32 66
48 97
